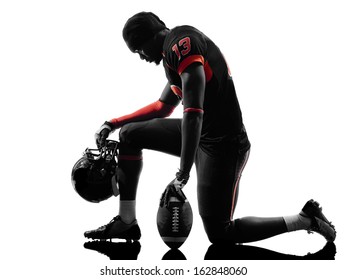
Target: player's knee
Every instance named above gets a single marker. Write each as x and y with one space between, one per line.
125 133
218 231
127 139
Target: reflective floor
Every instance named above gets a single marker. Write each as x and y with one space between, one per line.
225 251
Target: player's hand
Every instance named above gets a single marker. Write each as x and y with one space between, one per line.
102 134
174 189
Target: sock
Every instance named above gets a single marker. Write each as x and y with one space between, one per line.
129 170
127 210
297 222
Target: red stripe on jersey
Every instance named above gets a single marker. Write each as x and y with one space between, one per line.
193 110
189 60
129 157
176 90
208 71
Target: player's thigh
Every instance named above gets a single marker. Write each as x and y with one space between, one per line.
162 135
216 177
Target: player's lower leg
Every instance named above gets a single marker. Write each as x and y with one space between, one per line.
251 229
129 170
127 210
124 225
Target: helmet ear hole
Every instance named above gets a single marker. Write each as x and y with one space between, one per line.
94 175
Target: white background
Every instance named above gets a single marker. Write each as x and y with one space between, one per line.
64 70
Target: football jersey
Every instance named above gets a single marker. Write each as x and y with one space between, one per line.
185 45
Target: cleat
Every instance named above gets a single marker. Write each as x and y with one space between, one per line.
320 223
116 228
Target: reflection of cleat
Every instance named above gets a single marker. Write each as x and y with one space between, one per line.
327 253
116 228
115 251
320 223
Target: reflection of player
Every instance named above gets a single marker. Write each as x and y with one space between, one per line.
211 134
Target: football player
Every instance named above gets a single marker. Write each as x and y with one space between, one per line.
210 134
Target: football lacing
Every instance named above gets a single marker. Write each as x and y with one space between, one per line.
175 219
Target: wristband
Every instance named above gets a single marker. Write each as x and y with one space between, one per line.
181 175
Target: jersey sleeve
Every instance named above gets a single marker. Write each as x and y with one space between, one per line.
184 49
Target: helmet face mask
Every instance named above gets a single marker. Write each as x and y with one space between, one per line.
94 176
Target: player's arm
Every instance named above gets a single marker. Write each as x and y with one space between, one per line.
193 87
169 97
159 109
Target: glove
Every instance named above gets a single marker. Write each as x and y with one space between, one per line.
102 133
174 189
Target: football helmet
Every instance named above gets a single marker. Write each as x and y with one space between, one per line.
94 176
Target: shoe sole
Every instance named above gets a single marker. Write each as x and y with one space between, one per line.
321 223
326 228
133 233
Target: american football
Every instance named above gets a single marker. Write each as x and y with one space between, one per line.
174 221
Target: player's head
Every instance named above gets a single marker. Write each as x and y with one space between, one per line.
140 34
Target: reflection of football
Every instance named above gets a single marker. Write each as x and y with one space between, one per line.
175 222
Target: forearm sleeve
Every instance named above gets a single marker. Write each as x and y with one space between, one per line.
157 109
